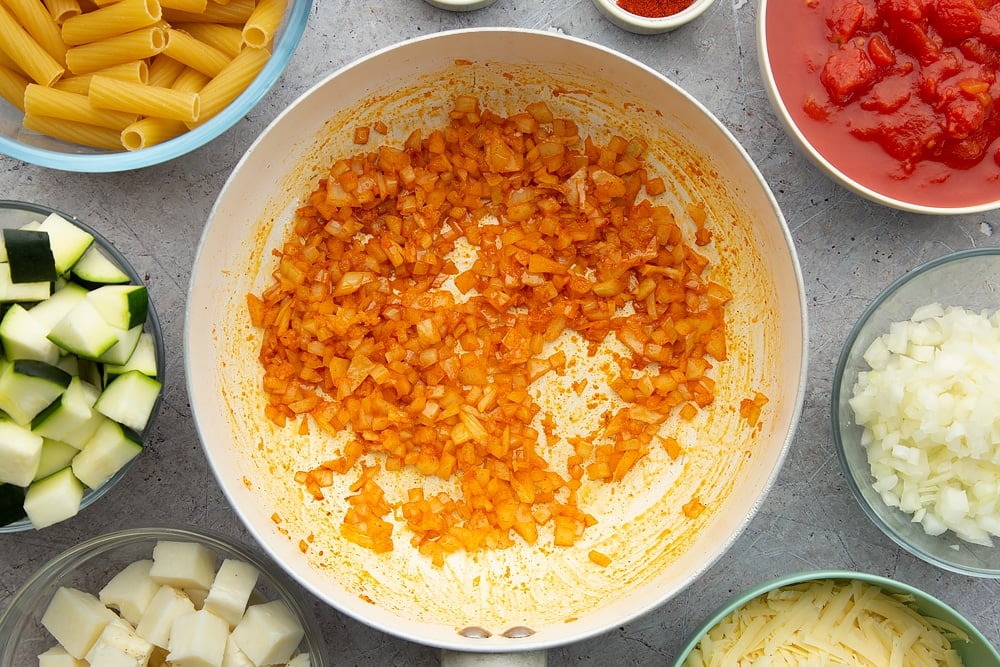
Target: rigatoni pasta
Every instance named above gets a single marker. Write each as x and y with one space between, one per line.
30 57
127 74
259 29
116 19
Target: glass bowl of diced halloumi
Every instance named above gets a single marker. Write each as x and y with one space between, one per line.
148 597
107 87
81 369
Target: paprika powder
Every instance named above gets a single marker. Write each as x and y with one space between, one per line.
654 9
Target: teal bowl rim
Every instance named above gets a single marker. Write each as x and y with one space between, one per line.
153 326
846 354
941 610
284 47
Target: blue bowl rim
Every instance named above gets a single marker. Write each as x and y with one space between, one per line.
189 141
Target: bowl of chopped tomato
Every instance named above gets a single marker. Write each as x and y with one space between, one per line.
895 101
495 329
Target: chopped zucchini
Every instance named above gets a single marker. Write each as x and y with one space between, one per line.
29 256
143 359
20 451
84 332
58 305
95 268
67 241
21 292
70 412
54 498
28 386
24 337
107 451
55 456
120 352
121 306
129 399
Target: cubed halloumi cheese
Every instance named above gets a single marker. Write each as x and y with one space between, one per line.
269 633
57 656
234 657
183 565
120 645
76 619
197 596
231 590
166 605
198 639
130 591
300 660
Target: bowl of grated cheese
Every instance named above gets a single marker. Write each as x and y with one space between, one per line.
836 617
915 419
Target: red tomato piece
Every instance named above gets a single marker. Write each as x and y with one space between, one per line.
894 11
963 118
911 37
955 20
844 20
847 72
880 52
888 95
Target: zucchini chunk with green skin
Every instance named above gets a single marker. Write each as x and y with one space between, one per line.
24 337
129 400
55 456
27 387
11 503
95 268
121 351
107 452
58 305
54 498
67 242
121 306
20 452
83 332
21 292
143 359
29 255
68 414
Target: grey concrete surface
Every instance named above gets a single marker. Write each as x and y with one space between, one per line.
849 250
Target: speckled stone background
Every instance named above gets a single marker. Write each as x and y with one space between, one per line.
849 248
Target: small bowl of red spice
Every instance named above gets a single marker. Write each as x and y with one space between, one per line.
650 17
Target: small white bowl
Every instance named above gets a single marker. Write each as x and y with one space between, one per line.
643 25
460 5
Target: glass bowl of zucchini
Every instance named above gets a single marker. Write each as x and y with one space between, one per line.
160 595
81 373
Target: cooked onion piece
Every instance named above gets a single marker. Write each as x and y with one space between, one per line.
827 622
419 298
932 421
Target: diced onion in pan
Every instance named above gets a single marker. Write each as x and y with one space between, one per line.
931 416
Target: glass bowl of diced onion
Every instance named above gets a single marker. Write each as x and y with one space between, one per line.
122 589
840 617
214 63
916 421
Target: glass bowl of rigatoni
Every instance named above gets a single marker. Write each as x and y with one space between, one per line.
121 85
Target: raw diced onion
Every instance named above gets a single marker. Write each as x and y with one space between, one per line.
931 418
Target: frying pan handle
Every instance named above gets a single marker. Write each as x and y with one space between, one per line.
519 659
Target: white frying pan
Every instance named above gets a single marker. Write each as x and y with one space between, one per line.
523 599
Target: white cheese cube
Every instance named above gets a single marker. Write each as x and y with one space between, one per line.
183 565
130 590
269 633
166 605
76 619
234 657
198 639
57 656
300 660
230 592
120 645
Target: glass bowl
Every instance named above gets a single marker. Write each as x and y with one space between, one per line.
976 651
18 213
35 148
968 278
644 25
91 564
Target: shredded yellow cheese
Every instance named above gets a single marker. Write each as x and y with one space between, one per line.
828 622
